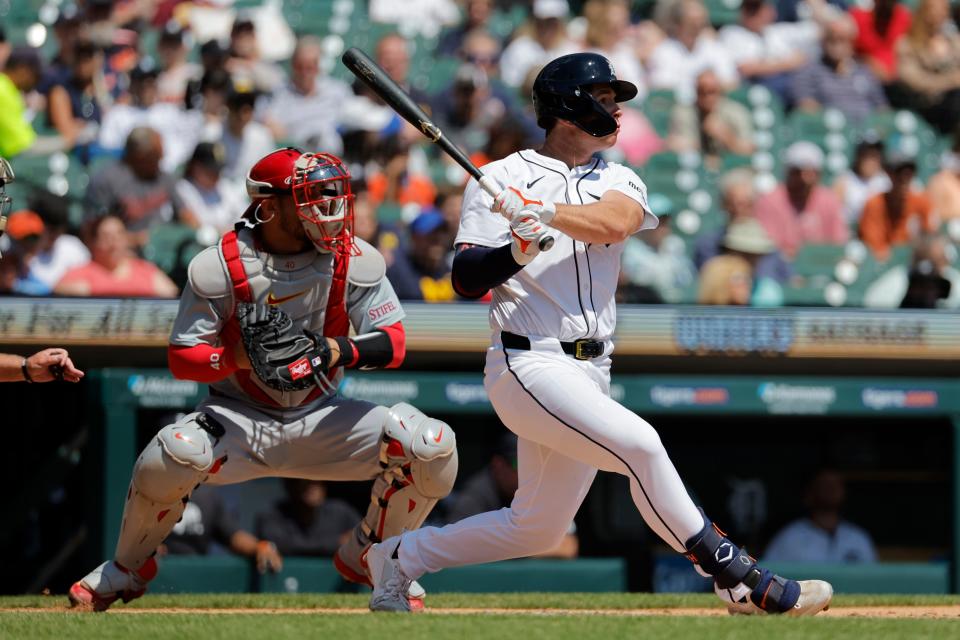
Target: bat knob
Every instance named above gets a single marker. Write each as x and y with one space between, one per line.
546 243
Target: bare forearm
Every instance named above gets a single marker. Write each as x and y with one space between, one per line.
243 543
598 222
10 368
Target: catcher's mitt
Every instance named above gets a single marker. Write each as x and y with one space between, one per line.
282 356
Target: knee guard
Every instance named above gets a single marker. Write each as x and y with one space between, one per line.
418 455
168 469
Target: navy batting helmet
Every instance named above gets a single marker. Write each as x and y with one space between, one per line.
562 90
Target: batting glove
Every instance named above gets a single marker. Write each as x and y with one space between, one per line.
510 203
526 230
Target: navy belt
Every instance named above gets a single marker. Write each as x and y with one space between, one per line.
582 349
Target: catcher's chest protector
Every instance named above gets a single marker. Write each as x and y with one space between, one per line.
310 287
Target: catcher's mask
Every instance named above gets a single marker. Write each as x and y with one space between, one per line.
321 192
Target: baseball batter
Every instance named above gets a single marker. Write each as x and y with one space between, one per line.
265 321
548 367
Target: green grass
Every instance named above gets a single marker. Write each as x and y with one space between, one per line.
28 621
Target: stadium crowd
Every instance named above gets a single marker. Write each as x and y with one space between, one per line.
797 151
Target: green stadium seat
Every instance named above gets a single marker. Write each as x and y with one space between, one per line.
818 259
723 12
657 107
171 247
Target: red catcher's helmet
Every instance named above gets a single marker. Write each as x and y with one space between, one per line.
320 186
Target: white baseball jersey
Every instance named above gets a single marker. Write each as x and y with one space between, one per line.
568 292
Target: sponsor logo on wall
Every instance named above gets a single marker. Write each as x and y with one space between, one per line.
385 392
674 396
162 391
460 393
881 399
733 334
795 398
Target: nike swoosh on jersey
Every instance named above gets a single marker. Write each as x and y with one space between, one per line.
273 300
530 184
593 195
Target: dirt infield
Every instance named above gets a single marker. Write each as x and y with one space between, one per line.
914 612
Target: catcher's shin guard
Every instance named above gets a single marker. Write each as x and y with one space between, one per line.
419 459
168 469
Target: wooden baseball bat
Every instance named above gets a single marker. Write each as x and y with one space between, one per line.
370 73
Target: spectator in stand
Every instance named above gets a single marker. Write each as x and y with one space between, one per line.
493 487
393 56
416 17
25 230
764 54
792 11
801 210
385 236
211 102
469 108
423 273
714 125
135 188
244 139
608 25
58 251
837 80
654 265
725 280
689 49
395 178
207 521
746 238
738 198
177 71
879 29
211 201
944 187
541 40
20 75
823 536
213 61
930 281
245 64
864 179
476 16
180 129
114 271
306 523
74 99
67 29
929 66
901 214
306 110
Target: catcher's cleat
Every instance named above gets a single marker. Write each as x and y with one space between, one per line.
415 594
772 596
111 582
390 584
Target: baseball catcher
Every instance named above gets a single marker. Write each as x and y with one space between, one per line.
265 321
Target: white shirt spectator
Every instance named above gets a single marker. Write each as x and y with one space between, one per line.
673 66
524 54
627 66
179 129
219 208
803 541
665 269
778 42
420 17
242 153
311 120
856 192
67 252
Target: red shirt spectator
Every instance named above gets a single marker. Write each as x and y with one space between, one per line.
879 49
801 210
114 271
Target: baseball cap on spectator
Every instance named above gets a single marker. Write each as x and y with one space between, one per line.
427 222
748 236
53 210
243 23
146 69
210 155
23 224
803 155
242 96
546 9
213 49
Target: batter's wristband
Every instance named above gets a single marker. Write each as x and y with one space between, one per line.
26 372
348 353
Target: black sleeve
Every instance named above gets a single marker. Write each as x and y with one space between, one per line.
476 270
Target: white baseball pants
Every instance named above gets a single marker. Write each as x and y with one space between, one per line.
568 428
